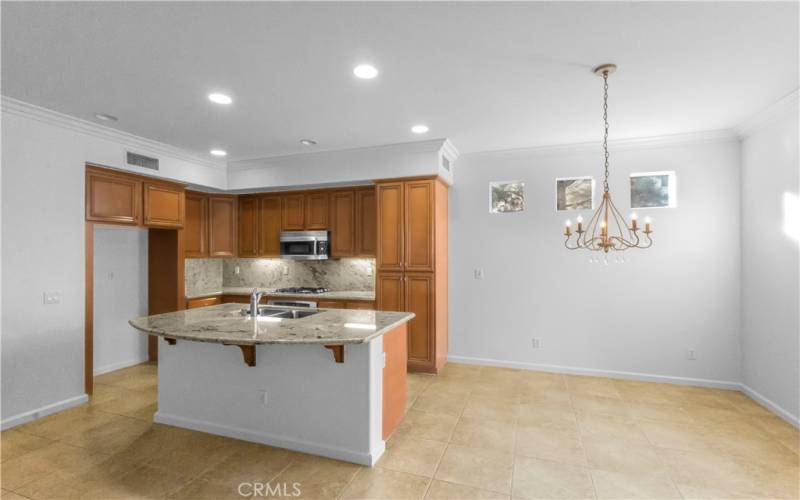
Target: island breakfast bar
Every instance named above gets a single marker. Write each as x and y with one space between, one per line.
330 382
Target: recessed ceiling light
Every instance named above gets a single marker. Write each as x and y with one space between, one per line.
308 142
218 152
419 129
105 117
220 98
365 71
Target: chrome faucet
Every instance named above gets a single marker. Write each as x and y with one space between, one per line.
255 298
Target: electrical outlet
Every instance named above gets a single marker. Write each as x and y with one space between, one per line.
285 270
110 275
264 398
692 355
236 270
478 273
537 342
51 298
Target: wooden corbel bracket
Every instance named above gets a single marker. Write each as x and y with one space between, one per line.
248 353
338 352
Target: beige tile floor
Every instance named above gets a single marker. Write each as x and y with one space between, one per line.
470 432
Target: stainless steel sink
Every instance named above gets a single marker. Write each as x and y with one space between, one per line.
282 312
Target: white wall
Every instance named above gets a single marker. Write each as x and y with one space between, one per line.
638 317
343 167
770 269
43 250
120 294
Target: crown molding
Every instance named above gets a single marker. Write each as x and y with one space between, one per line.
705 137
134 142
428 146
783 107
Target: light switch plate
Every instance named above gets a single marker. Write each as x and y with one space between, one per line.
478 273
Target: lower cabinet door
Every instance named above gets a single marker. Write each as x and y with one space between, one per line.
389 292
361 304
330 304
419 299
203 302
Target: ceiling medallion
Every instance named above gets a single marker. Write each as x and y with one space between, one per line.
607 230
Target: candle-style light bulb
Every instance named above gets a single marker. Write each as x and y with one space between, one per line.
580 219
568 228
647 222
634 225
580 224
568 223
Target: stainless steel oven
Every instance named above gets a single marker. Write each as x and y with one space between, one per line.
304 245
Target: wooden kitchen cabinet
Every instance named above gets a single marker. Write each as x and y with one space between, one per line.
390 292
163 205
343 206
293 212
419 299
195 229
316 211
366 223
390 226
419 220
248 226
359 304
412 264
203 302
269 226
112 197
222 226
330 304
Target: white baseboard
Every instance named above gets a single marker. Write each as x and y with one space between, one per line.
357 457
119 366
771 406
644 377
29 416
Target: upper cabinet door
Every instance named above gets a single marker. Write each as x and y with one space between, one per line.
390 226
343 213
366 223
317 211
222 226
419 214
248 226
195 229
293 212
269 226
163 205
112 198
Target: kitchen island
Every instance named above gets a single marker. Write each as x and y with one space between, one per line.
331 382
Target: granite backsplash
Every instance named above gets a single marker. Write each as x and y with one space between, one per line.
202 276
335 274
211 275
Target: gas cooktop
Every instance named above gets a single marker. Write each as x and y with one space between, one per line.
302 289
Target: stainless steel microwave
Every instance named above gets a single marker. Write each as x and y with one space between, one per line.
304 245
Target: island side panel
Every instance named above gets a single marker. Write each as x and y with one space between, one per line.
395 388
313 404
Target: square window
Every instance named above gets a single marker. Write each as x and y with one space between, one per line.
506 196
653 190
575 193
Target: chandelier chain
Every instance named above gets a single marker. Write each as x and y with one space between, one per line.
605 131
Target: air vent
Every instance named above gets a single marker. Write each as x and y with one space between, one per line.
137 160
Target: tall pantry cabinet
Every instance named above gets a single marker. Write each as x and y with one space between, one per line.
412 264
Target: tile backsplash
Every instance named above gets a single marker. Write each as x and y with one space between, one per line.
336 274
203 276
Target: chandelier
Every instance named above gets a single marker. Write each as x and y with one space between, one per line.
607 230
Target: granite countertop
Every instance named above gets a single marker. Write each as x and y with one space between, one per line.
340 295
225 324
